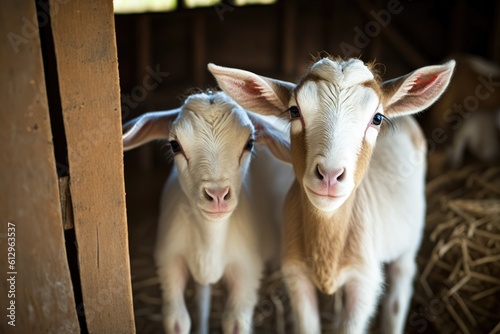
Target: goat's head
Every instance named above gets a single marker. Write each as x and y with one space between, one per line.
212 139
336 110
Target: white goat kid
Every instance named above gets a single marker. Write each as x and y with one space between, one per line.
220 215
358 199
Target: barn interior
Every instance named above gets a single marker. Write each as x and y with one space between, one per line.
162 55
278 40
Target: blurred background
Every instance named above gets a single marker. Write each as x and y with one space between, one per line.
279 39
163 50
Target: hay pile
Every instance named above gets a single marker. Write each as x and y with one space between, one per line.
459 285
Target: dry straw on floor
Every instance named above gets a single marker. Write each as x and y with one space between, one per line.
459 284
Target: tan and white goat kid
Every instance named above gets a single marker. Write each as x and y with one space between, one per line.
220 213
358 199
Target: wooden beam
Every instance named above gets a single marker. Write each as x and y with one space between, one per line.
29 197
85 48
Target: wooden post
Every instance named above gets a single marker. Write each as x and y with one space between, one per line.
41 288
85 48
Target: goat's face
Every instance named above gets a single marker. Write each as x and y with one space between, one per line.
336 112
212 141
336 115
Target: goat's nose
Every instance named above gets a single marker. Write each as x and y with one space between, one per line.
218 195
330 176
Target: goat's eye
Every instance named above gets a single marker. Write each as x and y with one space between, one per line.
377 119
294 112
249 145
176 147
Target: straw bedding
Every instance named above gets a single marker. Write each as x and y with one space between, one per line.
458 289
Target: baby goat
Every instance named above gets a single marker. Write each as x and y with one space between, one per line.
358 199
220 213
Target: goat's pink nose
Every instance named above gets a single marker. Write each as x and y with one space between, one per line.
330 177
217 195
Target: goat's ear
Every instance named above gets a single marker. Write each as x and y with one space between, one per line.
253 92
273 137
416 91
148 127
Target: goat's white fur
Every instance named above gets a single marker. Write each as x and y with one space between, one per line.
387 205
213 130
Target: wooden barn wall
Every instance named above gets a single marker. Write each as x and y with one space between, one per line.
37 292
87 68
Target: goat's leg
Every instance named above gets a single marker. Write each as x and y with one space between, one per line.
173 277
203 294
397 299
362 294
303 299
243 288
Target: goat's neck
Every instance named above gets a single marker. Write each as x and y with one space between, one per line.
211 235
332 241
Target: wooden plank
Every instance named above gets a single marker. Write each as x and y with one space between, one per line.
29 197
85 47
